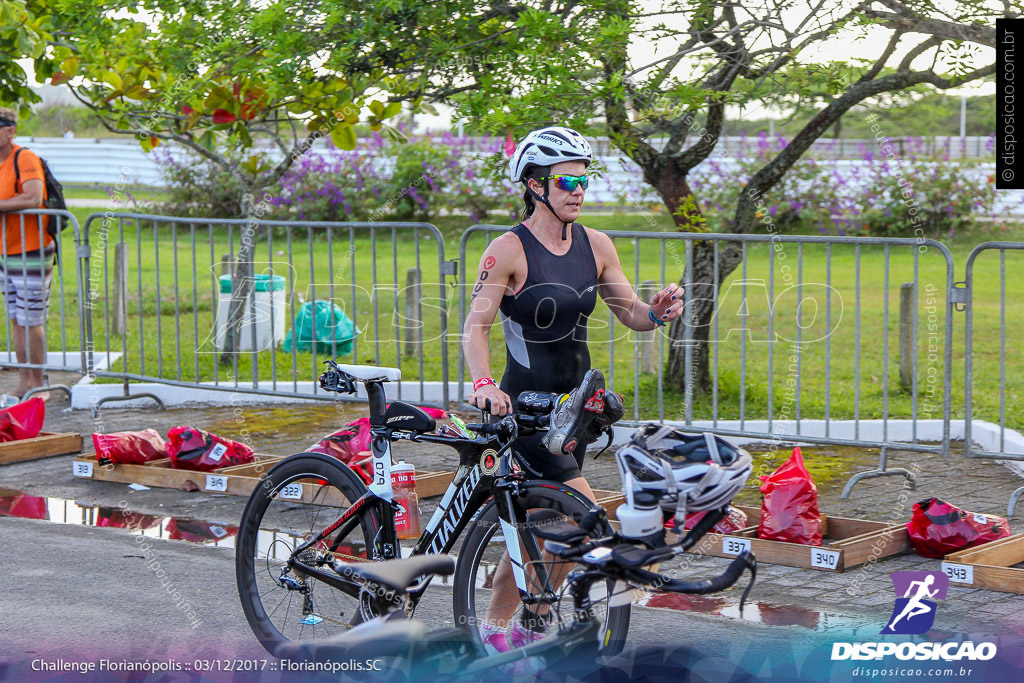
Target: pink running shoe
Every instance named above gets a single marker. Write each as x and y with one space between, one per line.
519 635
494 639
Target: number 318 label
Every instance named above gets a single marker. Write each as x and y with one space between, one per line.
959 573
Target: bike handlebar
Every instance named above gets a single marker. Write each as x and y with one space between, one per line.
724 580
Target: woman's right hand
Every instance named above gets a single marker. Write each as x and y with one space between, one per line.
501 404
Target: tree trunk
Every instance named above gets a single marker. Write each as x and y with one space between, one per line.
241 284
690 332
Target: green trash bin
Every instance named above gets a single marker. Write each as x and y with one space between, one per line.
334 330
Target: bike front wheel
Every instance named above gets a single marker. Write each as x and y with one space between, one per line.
301 496
478 599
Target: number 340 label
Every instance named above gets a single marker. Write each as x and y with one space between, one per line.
824 559
959 573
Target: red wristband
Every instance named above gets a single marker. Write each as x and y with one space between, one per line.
484 381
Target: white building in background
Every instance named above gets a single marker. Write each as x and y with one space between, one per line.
55 96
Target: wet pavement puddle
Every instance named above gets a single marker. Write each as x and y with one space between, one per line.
63 511
756 612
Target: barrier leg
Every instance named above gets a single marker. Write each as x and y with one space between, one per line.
880 471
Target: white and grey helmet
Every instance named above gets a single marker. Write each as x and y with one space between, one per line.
547 147
697 471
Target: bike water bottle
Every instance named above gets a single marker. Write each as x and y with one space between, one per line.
407 517
642 518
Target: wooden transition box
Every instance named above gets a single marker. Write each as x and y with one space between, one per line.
242 480
43 446
236 480
989 565
845 543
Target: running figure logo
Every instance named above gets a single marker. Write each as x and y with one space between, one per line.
914 612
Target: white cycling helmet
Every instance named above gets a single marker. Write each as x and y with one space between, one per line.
700 472
547 147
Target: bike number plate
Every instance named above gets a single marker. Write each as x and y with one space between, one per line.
292 492
735 546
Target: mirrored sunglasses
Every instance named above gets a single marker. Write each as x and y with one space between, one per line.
569 182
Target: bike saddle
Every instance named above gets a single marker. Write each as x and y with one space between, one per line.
370 640
397 575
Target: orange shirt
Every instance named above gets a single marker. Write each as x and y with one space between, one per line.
31 168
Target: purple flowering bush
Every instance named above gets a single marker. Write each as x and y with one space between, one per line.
901 190
419 179
196 188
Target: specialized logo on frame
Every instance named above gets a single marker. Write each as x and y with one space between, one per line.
916 593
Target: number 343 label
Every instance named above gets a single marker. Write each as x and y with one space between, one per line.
959 573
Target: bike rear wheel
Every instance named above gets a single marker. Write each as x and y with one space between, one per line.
299 497
483 550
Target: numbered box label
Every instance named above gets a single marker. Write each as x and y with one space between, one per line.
735 546
824 559
218 452
81 469
959 573
216 482
292 492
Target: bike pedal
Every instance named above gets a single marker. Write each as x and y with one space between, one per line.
595 404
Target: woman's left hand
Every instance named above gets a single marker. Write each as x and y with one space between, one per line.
668 303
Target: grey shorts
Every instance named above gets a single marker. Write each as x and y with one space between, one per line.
25 283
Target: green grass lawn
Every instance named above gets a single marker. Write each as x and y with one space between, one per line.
848 364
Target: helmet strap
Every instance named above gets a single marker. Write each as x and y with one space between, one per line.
543 199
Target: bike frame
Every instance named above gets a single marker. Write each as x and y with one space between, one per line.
483 471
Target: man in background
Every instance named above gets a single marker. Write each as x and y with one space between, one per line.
26 253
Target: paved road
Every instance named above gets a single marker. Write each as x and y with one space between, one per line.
85 593
81 594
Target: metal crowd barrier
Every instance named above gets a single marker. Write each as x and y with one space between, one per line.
158 302
986 346
797 349
761 345
62 310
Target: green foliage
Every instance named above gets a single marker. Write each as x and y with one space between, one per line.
891 191
51 122
382 180
197 188
25 30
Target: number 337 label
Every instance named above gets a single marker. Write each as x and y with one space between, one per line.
735 546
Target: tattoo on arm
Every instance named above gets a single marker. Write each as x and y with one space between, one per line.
482 278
